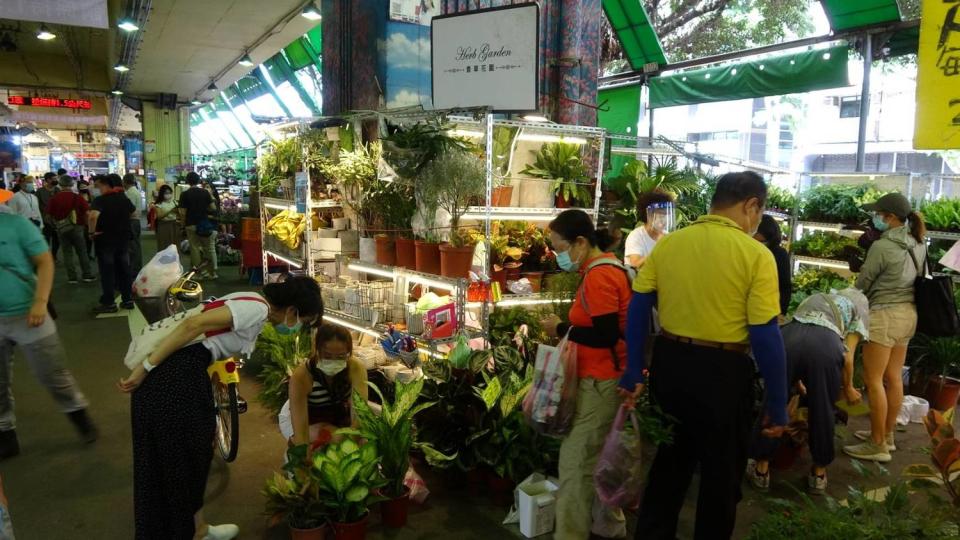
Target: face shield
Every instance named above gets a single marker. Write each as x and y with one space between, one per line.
661 217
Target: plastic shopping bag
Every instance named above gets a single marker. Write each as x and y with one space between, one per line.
551 403
619 472
418 488
159 274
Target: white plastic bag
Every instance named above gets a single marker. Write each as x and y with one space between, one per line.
159 274
418 488
913 410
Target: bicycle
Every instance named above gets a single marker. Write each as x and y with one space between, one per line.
224 373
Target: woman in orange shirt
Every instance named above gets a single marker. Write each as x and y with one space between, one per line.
598 318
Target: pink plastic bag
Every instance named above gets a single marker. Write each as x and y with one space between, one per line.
619 472
551 403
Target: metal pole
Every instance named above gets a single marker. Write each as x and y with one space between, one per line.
867 51
649 129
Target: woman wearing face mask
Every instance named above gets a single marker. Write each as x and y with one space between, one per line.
321 389
168 230
598 317
172 403
887 278
655 211
769 235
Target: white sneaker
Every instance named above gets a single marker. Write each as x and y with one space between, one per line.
227 531
865 436
868 451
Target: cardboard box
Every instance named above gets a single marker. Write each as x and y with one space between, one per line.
537 505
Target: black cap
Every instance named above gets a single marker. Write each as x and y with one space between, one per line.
891 203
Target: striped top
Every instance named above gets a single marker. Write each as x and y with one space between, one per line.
329 402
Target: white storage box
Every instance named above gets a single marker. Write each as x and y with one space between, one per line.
537 505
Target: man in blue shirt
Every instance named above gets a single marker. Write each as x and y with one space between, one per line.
26 278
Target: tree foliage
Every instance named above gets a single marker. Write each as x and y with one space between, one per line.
697 28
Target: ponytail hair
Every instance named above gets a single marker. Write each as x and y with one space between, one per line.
918 229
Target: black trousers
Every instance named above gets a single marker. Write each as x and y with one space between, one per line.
814 356
52 238
114 264
173 422
711 393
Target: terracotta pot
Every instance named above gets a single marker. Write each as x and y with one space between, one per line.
535 279
394 512
499 275
406 253
386 250
427 257
455 262
942 392
513 270
502 196
368 250
320 533
351 531
501 489
562 202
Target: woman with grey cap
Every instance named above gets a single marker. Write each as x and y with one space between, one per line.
820 340
887 277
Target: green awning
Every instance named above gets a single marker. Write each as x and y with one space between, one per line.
905 41
787 74
297 54
621 111
850 14
632 26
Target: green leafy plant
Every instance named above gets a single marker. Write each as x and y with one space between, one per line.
944 456
934 357
391 431
838 203
294 495
348 476
408 150
453 179
781 200
826 245
282 158
504 138
505 322
561 163
356 171
813 280
505 444
656 426
277 356
942 214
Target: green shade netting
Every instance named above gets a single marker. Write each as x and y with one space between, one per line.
639 41
848 14
788 74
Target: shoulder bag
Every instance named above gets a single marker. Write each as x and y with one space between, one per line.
936 304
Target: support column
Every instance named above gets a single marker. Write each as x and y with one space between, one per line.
353 69
168 131
579 62
867 51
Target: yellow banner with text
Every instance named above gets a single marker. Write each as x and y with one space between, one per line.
938 77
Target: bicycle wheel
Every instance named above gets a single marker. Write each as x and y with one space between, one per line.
228 419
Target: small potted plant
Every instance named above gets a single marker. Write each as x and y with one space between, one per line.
453 179
937 366
561 163
503 142
401 207
294 496
391 431
348 476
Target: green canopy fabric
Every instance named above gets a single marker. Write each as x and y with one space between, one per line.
905 41
848 14
619 116
297 54
632 26
787 74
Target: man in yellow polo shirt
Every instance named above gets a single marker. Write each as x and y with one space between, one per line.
716 293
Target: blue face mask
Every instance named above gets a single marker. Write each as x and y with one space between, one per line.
565 263
285 329
880 224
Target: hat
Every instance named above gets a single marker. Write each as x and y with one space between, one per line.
5 195
891 203
66 181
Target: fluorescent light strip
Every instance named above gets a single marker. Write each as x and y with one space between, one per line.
432 283
522 302
535 137
505 216
347 324
281 206
371 270
430 353
284 259
840 266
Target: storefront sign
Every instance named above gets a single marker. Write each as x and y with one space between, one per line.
938 77
55 103
487 58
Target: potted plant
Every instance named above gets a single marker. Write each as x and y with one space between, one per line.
936 365
399 209
294 496
452 179
561 163
348 477
274 359
356 171
503 142
391 431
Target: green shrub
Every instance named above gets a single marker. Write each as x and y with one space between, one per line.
826 245
942 215
838 203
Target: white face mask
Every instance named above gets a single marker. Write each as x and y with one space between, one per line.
332 366
168 196
95 192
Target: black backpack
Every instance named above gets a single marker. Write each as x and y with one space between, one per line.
936 304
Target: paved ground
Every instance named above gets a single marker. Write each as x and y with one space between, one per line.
60 489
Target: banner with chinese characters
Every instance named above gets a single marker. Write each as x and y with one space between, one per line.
487 58
938 77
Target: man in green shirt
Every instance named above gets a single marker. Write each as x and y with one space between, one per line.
26 278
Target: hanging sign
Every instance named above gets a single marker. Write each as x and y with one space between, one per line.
487 58
51 102
938 77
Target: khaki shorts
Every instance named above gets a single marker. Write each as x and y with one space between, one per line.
893 324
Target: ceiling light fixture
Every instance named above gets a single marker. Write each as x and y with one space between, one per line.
127 25
121 67
311 12
536 118
212 86
45 34
246 61
196 102
117 92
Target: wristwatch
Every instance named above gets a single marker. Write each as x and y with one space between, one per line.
147 366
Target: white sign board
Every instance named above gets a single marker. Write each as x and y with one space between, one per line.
487 58
67 12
